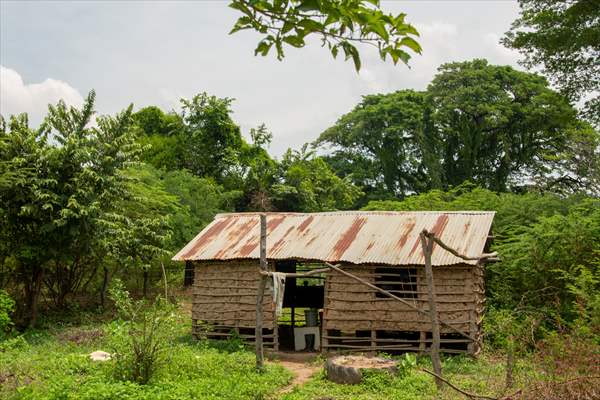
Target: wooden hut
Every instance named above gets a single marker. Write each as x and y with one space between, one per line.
382 248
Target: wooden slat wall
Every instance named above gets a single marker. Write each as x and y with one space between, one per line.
224 299
351 306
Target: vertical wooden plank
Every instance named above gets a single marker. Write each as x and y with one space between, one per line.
422 342
324 341
373 340
470 290
427 245
275 330
260 295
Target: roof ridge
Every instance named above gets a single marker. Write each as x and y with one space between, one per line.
346 212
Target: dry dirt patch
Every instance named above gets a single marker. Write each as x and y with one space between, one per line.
302 365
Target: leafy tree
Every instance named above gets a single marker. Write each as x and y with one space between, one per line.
379 143
200 200
489 124
212 140
161 135
339 24
562 36
495 124
141 232
206 141
256 172
58 183
577 167
309 184
513 211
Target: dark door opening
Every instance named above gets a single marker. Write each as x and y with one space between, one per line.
299 326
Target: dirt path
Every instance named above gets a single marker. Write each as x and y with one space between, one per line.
302 365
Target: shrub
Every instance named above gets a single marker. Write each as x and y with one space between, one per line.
140 338
7 307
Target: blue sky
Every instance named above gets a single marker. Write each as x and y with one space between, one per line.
157 52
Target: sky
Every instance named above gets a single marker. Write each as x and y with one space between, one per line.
157 52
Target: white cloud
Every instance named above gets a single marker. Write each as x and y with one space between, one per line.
439 42
501 54
18 97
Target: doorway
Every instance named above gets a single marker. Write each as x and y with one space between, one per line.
299 326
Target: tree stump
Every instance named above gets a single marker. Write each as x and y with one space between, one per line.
349 369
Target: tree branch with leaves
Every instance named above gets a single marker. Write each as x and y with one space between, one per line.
341 25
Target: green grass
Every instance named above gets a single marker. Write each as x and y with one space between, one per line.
53 363
483 376
50 365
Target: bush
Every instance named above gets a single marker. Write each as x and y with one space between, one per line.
7 307
141 336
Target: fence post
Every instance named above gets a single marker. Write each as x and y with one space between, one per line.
258 339
427 244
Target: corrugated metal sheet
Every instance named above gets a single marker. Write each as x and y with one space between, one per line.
359 237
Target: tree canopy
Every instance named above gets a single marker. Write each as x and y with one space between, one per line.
563 37
493 125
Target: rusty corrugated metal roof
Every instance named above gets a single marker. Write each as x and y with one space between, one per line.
358 237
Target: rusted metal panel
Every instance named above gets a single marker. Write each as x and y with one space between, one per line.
358 237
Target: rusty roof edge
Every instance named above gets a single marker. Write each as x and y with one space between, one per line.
317 261
350 212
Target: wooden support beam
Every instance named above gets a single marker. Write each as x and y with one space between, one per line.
482 258
261 292
422 341
434 350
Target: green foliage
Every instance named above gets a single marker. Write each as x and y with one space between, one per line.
140 338
58 183
199 200
549 246
545 260
340 25
7 307
309 184
583 284
562 36
406 364
212 140
13 343
141 232
513 330
378 143
160 133
576 167
492 125
496 125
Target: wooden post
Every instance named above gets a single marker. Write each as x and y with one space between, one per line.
261 293
275 330
422 342
427 244
373 340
